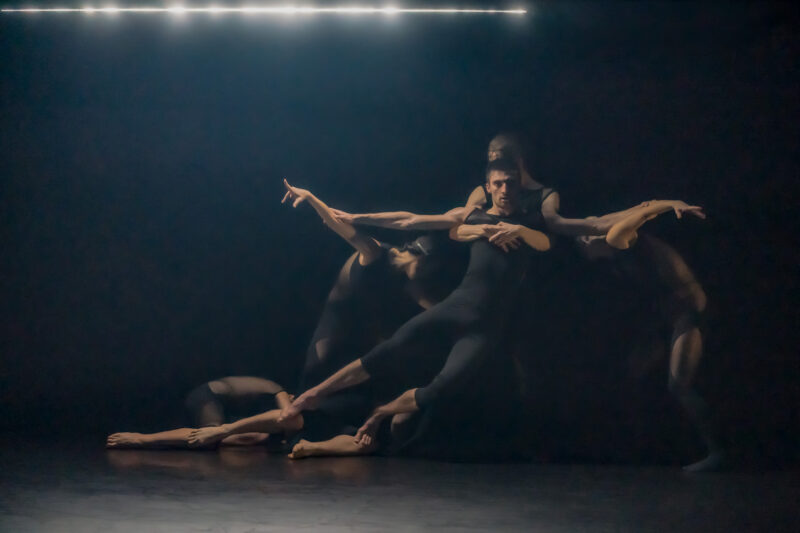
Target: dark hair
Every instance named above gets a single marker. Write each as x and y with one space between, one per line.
505 165
508 145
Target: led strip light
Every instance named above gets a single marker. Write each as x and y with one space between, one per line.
265 10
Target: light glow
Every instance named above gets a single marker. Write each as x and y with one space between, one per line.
267 10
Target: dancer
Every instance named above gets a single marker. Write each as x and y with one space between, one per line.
211 404
658 273
466 323
413 277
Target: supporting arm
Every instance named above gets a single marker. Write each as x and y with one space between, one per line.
405 403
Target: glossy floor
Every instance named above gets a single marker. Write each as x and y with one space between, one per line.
84 488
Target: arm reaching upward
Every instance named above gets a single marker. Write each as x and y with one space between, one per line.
365 246
623 234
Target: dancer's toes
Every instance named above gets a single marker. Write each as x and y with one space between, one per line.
124 440
301 450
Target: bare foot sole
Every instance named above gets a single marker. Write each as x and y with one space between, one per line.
125 440
302 450
205 437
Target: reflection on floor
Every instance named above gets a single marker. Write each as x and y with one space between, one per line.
85 488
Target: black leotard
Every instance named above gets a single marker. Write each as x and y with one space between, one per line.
355 318
467 322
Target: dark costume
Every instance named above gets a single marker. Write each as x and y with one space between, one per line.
454 341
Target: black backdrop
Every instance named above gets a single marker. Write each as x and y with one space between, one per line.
144 249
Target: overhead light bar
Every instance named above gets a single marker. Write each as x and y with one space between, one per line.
179 9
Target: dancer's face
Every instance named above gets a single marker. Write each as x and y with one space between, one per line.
494 154
594 247
504 189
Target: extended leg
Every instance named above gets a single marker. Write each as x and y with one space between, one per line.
174 438
384 359
687 349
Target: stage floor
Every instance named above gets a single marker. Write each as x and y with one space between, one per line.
84 489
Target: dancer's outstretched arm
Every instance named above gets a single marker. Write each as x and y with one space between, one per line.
405 220
580 226
623 233
348 376
366 246
555 222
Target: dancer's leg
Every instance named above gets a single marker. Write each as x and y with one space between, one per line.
262 423
206 403
174 438
341 445
687 350
384 359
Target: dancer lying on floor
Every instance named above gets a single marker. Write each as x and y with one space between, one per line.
212 404
658 273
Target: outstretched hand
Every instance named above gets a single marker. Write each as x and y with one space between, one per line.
681 208
294 194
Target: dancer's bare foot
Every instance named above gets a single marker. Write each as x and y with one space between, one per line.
305 402
207 436
302 450
125 440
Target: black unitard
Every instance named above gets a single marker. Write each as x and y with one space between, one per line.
353 319
366 305
468 322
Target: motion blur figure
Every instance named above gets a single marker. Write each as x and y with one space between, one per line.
657 273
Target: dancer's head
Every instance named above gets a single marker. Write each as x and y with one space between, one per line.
594 247
505 146
503 184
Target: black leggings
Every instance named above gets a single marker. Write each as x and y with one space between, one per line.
449 341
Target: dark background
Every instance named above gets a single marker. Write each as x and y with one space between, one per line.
144 248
